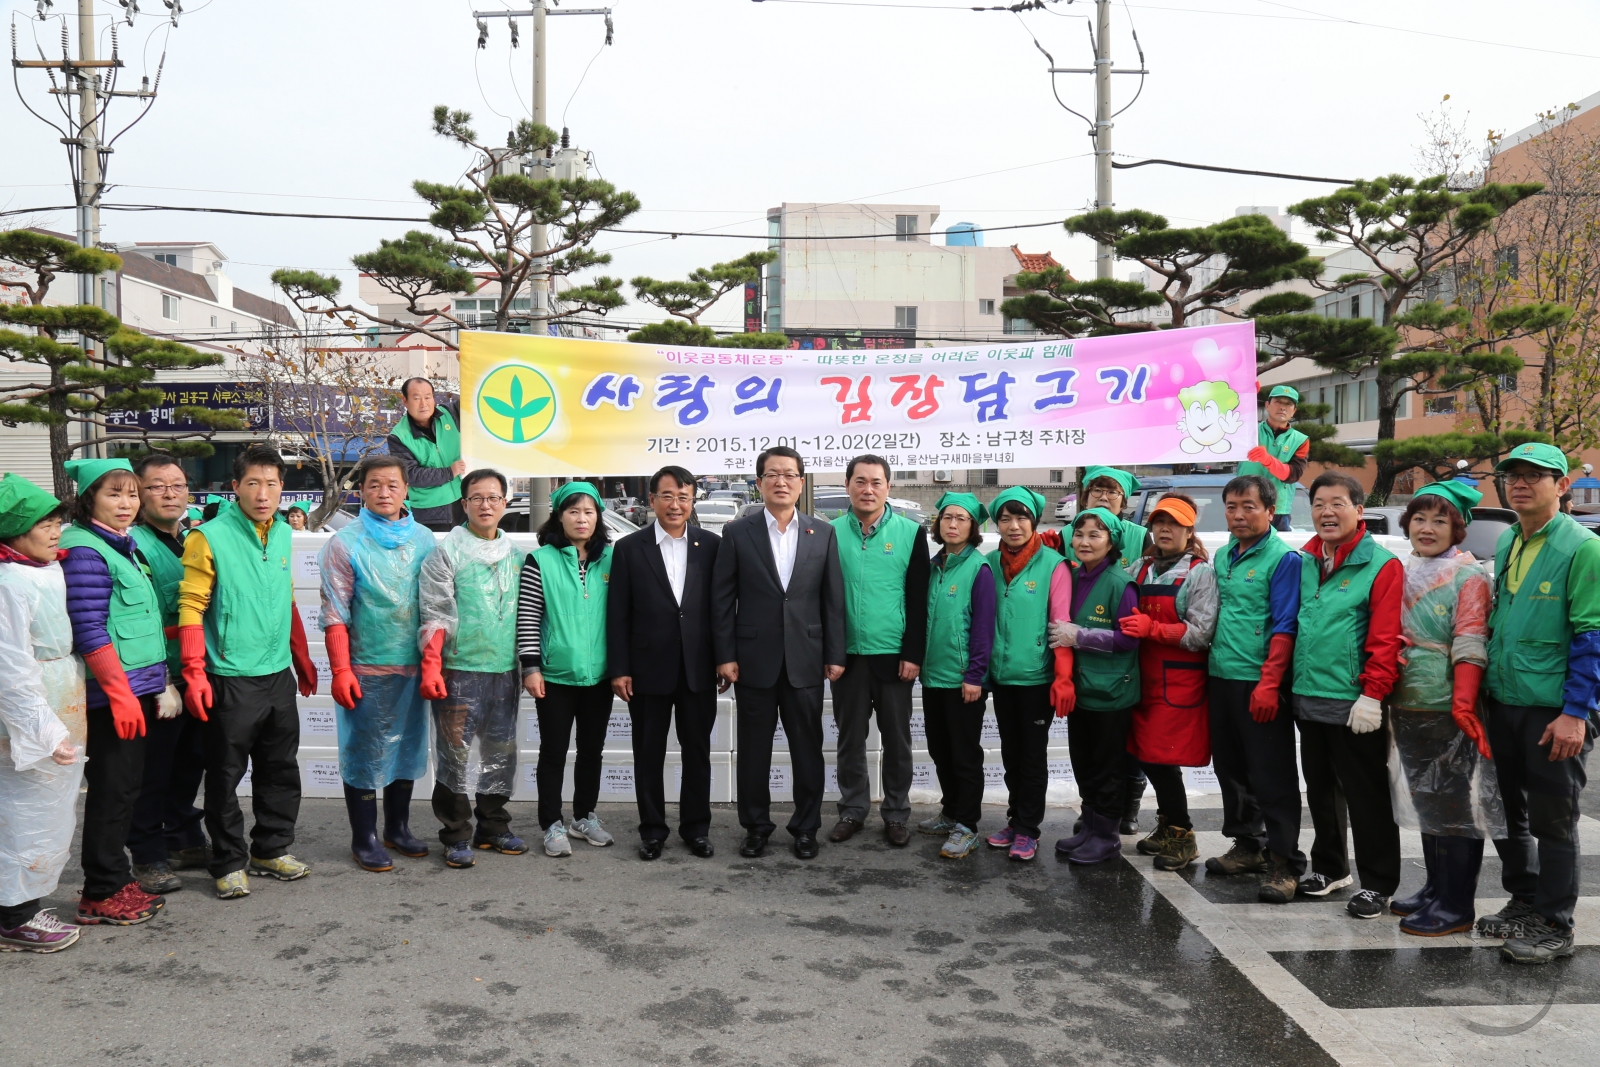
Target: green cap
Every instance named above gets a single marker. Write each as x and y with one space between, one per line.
1540 455
559 497
1112 524
966 502
301 505
1022 495
88 471
195 514
1129 483
1460 495
1284 390
22 505
215 499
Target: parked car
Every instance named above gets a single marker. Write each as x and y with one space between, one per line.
715 513
1067 507
738 496
515 520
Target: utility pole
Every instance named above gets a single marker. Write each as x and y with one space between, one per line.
89 180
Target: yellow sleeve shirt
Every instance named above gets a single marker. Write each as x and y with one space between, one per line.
200 575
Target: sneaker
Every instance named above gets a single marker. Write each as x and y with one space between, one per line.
1320 885
458 854
285 868
1242 858
1023 847
128 906
189 859
42 933
233 885
590 830
1279 885
555 840
1507 922
1367 904
940 825
508 843
1151 845
1537 940
156 878
960 843
1178 850
1003 837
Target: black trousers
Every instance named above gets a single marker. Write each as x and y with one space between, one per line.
454 812
955 741
252 721
759 710
1254 762
652 716
165 818
1172 796
1347 788
1540 857
14 915
588 707
114 770
1098 744
1023 714
860 692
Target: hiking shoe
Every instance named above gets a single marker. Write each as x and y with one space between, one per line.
1537 940
555 840
960 843
1278 887
1151 845
1507 922
940 825
458 854
1242 858
1367 904
189 859
1320 885
508 843
233 885
156 878
1178 849
284 868
1023 847
128 906
590 830
1003 837
42 933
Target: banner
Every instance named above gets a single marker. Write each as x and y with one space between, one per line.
557 406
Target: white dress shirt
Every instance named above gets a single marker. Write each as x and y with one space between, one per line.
784 543
675 556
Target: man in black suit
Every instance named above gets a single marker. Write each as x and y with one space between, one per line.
658 647
778 629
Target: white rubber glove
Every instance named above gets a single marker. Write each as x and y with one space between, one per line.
169 704
1064 634
1366 715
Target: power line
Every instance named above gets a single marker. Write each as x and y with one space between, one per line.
1232 170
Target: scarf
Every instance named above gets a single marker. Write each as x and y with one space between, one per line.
11 555
390 533
1012 560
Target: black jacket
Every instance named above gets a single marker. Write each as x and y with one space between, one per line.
648 633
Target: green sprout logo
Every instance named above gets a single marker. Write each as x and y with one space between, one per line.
516 403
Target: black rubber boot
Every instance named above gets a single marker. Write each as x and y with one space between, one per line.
1130 814
1458 860
397 820
1430 888
362 804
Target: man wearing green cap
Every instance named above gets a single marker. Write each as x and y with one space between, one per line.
1281 451
1542 685
427 442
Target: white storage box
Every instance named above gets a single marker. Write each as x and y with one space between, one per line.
616 779
303 559
781 777
318 722
830 733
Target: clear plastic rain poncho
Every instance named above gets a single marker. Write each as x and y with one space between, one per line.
1440 783
468 589
41 704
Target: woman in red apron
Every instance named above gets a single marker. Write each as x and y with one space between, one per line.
1176 618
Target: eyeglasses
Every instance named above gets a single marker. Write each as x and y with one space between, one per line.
782 476
674 498
1526 478
1333 505
167 488
486 501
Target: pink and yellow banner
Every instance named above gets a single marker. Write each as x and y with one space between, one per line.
556 406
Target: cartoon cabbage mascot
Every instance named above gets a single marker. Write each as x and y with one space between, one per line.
1210 414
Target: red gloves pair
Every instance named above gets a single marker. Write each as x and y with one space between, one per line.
1143 626
127 713
1260 455
197 694
1264 698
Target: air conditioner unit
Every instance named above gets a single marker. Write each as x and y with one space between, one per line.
941 476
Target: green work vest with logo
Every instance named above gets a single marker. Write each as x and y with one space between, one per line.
166 571
874 570
442 452
572 647
1244 614
1329 657
252 603
1282 448
1106 681
1021 653
950 617
133 617
486 609
1530 631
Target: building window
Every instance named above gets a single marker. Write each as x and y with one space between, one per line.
990 476
233 327
905 227
169 258
169 307
986 307
905 476
1057 477
1505 261
1355 306
905 318
1439 405
1018 326
213 322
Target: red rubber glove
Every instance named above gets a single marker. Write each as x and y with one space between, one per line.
1138 624
305 671
346 688
1464 706
1260 455
1051 539
1169 633
197 695
1264 698
126 711
433 668
1063 694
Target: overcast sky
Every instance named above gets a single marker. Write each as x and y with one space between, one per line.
711 111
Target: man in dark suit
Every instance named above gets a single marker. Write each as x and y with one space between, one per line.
658 646
778 630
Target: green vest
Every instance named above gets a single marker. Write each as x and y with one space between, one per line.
486 610
1021 653
441 452
1106 681
133 619
166 571
1530 631
1244 616
950 617
572 648
1331 653
1282 446
874 582
248 621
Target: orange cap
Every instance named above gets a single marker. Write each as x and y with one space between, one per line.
1181 512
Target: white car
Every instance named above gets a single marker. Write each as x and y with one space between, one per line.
715 513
